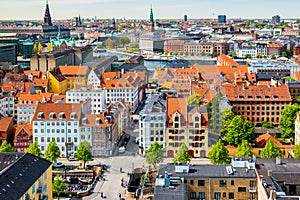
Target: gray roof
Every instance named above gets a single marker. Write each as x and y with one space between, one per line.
207 171
19 173
165 193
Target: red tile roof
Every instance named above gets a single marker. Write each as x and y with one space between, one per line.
4 124
256 92
27 128
57 108
91 120
261 141
176 105
74 70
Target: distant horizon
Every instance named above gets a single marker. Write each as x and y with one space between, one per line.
140 10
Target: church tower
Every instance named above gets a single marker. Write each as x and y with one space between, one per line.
47 16
151 19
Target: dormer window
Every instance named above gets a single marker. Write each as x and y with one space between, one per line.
52 115
61 115
84 120
73 115
98 121
40 115
241 96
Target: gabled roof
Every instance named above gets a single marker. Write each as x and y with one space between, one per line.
91 120
34 73
177 105
26 127
19 173
261 141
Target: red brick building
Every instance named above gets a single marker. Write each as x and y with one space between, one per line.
7 130
174 46
258 103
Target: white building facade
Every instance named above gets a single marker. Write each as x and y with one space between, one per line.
94 78
7 106
97 96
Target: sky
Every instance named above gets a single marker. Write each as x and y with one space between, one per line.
140 9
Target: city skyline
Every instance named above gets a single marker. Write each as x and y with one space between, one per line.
134 9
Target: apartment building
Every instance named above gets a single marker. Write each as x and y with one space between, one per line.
258 103
97 97
59 122
174 46
27 104
76 75
184 181
152 123
57 82
94 78
186 124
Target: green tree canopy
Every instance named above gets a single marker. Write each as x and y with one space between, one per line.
84 152
266 124
6 147
271 150
124 40
194 100
219 154
182 154
233 55
273 57
244 149
239 130
52 152
226 117
40 48
155 153
284 54
287 121
34 149
34 50
59 185
297 151
247 56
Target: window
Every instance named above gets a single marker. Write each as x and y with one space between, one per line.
217 196
201 196
42 139
201 182
48 139
222 183
33 189
232 182
241 189
231 195
191 182
193 195
224 194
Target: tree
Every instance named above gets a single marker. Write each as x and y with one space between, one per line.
52 152
34 49
226 117
34 149
112 44
182 154
59 185
84 152
287 121
247 56
214 54
6 147
297 151
194 100
40 48
239 130
124 40
266 124
244 149
284 54
271 150
155 153
219 154
233 55
49 46
273 57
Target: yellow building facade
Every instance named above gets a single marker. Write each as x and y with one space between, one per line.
42 188
58 84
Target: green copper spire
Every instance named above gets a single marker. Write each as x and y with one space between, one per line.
151 15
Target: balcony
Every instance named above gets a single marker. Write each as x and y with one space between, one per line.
252 189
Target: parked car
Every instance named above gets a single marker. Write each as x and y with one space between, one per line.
72 158
127 138
58 164
122 149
